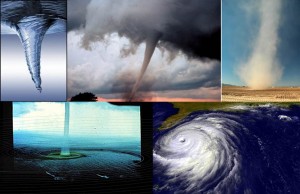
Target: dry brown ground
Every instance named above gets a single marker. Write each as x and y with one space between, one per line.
276 94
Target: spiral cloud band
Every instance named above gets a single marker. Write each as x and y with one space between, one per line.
200 155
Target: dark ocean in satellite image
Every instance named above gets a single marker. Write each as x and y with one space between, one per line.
238 148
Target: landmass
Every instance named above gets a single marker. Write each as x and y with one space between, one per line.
184 109
232 93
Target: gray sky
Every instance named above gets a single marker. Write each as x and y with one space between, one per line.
111 65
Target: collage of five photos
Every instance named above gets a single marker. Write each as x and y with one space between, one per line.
150 96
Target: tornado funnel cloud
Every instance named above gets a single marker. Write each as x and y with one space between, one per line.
151 42
262 70
31 32
191 27
31 20
65 150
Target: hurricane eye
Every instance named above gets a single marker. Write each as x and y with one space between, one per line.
181 140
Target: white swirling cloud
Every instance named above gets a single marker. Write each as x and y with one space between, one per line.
200 155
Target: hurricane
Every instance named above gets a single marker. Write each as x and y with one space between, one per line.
229 152
203 152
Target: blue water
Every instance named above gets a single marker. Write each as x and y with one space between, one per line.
161 111
46 140
104 158
262 143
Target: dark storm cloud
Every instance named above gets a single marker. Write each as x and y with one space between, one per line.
192 26
185 33
76 13
13 11
193 78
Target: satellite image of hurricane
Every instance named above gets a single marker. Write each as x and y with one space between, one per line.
226 148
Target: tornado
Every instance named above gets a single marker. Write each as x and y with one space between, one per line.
263 70
192 27
31 32
65 150
31 21
151 42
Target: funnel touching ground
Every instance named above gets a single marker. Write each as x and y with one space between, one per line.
65 150
151 42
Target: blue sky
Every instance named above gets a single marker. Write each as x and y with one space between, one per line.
239 30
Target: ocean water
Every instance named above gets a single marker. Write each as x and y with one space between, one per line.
104 158
249 150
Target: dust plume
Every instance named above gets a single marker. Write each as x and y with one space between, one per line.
262 70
